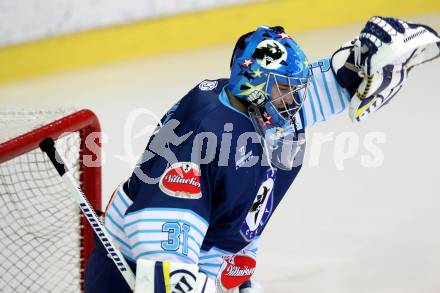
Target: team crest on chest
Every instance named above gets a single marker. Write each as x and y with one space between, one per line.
181 180
260 209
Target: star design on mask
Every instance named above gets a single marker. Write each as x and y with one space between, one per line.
246 72
247 62
268 119
251 89
257 73
283 36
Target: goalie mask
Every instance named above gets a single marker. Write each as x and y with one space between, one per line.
269 74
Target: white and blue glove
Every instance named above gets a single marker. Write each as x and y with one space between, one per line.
374 66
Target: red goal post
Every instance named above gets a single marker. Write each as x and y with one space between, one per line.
21 163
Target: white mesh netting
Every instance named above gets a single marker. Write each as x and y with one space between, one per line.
39 222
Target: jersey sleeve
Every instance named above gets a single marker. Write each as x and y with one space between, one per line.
325 97
162 212
114 220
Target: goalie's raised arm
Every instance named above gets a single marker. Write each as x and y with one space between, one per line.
375 65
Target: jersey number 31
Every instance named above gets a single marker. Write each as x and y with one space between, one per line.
174 231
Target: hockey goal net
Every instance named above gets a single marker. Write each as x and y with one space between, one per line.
44 240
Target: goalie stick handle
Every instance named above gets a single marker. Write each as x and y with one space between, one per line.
48 147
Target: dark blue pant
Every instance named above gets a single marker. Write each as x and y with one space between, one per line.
102 275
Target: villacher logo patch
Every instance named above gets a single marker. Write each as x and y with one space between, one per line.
236 270
182 180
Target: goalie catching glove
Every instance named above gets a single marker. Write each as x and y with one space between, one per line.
374 66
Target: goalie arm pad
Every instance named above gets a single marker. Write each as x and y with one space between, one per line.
325 97
374 66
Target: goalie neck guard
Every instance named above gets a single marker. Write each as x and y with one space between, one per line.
270 74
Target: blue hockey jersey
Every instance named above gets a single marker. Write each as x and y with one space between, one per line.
203 188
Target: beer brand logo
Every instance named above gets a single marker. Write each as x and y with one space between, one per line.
182 180
236 270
